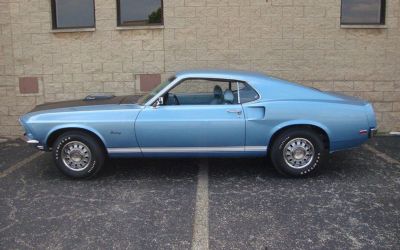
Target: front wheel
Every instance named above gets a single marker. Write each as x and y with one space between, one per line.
78 155
298 152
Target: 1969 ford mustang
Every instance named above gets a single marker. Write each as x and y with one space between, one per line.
203 114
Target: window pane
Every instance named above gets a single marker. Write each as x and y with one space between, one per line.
247 93
202 92
199 86
140 12
362 12
74 13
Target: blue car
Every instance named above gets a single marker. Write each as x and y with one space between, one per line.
203 113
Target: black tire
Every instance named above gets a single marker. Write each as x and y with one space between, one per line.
285 140
90 166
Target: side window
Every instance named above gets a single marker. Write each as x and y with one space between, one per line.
197 86
202 92
247 93
139 12
70 14
363 12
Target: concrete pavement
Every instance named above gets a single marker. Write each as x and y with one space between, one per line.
354 202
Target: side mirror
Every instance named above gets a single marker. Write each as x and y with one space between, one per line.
159 102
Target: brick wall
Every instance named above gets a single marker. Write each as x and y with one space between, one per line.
300 40
7 89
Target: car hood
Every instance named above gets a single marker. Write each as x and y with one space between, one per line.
88 101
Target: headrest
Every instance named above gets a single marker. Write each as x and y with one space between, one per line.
228 96
217 91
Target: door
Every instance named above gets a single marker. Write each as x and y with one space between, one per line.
197 118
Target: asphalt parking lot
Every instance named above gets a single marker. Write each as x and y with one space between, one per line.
354 202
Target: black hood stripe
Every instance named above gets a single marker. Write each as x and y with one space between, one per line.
131 99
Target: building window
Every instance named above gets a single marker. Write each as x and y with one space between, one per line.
139 12
71 14
363 12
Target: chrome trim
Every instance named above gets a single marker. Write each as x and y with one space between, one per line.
255 148
32 141
238 92
180 79
298 153
258 93
187 149
124 150
163 91
372 132
235 111
192 149
28 139
76 155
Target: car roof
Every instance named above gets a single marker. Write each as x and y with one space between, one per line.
267 86
222 74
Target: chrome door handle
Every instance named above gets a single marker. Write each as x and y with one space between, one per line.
237 111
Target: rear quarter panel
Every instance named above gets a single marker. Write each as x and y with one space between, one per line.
341 121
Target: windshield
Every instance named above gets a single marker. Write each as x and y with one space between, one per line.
142 100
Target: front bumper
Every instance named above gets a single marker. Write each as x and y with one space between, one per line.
32 141
372 132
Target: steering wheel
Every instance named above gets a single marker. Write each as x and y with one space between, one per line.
167 97
176 100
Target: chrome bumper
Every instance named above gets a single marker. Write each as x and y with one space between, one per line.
32 141
372 132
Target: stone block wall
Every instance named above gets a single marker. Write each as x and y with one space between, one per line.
299 40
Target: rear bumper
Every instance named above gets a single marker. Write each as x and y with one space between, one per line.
372 132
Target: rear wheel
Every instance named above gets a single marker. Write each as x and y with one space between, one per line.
78 155
298 152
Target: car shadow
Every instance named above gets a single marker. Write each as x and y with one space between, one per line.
337 166
224 167
144 168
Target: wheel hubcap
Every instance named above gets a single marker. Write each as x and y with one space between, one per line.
298 153
76 155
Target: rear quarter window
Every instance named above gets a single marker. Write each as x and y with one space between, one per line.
247 93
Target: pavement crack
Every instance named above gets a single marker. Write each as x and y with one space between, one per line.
11 216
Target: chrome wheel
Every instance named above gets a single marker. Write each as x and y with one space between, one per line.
76 155
298 153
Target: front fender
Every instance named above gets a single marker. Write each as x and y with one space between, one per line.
71 127
113 125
